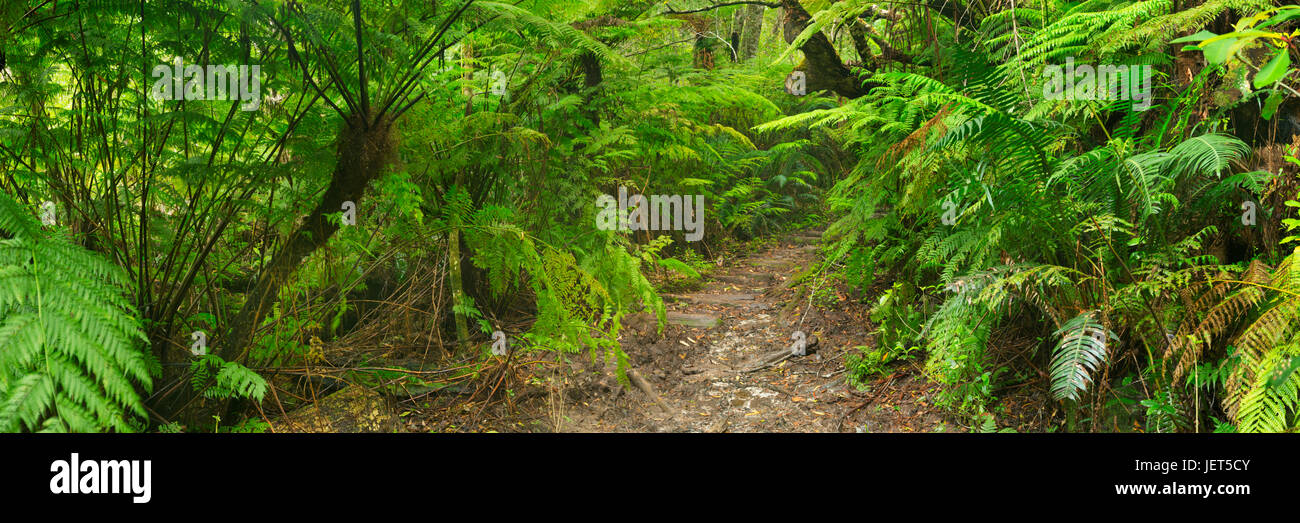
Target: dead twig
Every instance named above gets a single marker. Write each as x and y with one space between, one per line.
870 399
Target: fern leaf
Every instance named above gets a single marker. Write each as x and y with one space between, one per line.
1081 351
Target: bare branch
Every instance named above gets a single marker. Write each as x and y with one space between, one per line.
672 11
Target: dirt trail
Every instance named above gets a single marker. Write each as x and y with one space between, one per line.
722 364
713 367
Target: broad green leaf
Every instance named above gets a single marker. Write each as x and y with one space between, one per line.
1198 37
1270 105
1287 13
1217 51
1274 70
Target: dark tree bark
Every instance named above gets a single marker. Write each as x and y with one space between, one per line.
822 65
363 149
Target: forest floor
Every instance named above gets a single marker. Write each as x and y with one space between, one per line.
723 363
713 367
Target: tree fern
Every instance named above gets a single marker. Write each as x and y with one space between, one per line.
1266 341
1157 30
1076 32
559 32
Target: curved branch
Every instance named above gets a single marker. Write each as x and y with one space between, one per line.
672 11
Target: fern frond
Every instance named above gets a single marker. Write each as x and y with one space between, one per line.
1081 351
70 343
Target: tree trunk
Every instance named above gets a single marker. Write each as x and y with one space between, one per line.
821 63
457 285
753 29
453 235
593 75
363 150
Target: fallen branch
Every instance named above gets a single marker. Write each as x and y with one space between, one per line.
778 357
769 361
648 389
866 402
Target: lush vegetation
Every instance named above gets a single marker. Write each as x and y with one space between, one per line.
426 172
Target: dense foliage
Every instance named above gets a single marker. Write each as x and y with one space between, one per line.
433 168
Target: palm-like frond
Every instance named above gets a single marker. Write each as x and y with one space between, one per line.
560 32
1081 351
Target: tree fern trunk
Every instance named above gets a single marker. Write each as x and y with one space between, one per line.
593 75
457 286
821 63
453 236
362 150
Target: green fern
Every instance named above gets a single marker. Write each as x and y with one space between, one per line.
1270 404
1081 351
70 357
1163 415
220 379
559 32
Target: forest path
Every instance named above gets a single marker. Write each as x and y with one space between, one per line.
714 370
